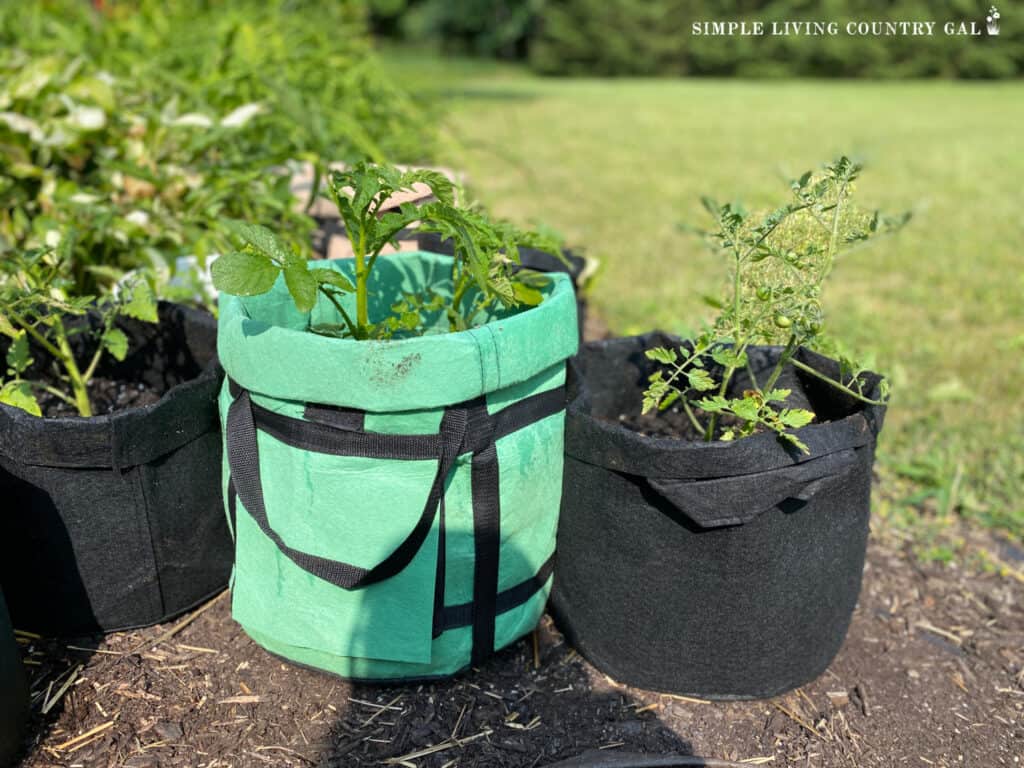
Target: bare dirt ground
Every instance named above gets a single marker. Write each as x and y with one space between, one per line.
932 674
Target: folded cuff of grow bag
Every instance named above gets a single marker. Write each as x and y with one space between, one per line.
719 483
264 340
184 339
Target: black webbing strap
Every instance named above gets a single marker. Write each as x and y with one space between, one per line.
455 616
351 419
465 428
243 459
486 532
323 438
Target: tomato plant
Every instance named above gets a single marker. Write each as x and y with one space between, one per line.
779 262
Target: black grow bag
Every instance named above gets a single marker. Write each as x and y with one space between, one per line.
13 690
722 570
114 522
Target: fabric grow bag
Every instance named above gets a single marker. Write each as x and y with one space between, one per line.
113 522
13 690
721 570
394 503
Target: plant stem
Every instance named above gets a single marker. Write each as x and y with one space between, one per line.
362 313
460 291
352 328
31 331
833 240
693 417
787 354
79 384
709 433
753 378
315 189
841 387
58 394
90 370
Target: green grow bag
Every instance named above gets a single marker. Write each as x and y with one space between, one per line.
394 503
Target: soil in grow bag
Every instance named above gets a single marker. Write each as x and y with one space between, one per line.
114 521
721 570
394 502
13 690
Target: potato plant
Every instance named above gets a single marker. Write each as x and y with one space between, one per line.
779 262
139 181
40 313
484 274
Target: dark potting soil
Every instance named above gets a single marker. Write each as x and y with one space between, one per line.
622 406
107 395
672 422
932 673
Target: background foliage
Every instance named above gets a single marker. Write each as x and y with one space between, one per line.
653 37
134 128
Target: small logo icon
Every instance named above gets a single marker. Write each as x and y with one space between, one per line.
992 21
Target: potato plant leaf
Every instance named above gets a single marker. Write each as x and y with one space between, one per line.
302 286
244 273
262 239
326 276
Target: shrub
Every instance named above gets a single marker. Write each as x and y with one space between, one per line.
624 37
653 37
140 127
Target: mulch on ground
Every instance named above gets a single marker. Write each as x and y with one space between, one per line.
932 674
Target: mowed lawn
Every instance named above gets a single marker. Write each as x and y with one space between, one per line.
616 165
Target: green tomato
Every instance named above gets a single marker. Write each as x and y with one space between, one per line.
782 321
764 294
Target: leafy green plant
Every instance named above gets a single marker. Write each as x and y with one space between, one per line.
779 264
310 63
483 275
144 149
138 181
39 312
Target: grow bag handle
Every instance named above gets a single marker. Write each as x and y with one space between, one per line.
244 461
738 499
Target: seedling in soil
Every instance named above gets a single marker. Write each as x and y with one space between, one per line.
484 272
779 264
38 312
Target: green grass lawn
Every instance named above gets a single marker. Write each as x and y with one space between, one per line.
615 165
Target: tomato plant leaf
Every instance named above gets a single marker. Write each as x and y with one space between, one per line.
116 343
19 356
796 417
141 304
19 395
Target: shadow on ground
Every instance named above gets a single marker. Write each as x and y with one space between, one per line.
933 669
